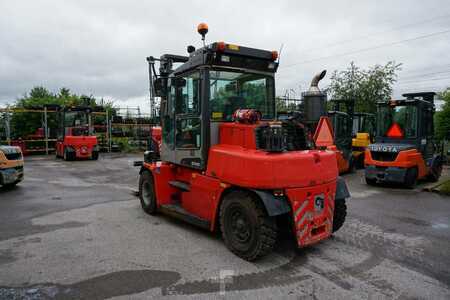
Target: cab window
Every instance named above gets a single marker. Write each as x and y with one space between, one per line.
187 96
187 110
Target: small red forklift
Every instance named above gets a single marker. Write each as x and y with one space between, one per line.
226 163
75 137
404 150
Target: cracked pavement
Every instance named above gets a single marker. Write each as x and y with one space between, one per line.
75 230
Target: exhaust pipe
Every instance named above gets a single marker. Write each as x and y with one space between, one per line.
314 87
314 101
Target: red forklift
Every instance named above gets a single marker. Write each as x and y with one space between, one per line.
75 137
226 163
405 150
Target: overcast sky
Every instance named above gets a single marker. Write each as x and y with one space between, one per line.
99 47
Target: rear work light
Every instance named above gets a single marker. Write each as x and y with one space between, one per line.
233 47
220 46
274 55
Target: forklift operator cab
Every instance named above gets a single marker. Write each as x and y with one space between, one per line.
185 119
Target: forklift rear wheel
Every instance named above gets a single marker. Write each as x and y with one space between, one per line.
352 165
340 212
371 181
94 155
69 156
147 193
411 178
246 228
360 161
435 173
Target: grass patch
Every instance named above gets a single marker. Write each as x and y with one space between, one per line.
445 188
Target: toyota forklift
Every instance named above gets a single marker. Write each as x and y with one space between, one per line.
226 163
404 150
75 138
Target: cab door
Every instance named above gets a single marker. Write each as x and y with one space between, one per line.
188 121
427 143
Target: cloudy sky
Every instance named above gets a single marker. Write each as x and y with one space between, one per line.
99 47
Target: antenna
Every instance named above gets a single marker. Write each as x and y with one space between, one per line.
279 55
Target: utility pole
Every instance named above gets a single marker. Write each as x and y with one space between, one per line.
45 129
8 128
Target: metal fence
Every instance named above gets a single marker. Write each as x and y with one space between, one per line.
131 129
42 139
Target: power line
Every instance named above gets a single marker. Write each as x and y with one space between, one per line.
427 69
412 88
369 48
424 80
424 74
361 37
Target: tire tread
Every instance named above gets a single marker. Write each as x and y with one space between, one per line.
267 227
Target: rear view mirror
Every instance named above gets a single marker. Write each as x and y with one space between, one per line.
158 87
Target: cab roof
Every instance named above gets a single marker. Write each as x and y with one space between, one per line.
225 55
426 98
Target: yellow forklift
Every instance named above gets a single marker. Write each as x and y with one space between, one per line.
364 125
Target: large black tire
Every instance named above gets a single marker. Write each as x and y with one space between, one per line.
351 165
69 156
360 161
94 155
340 212
435 173
246 228
147 193
11 185
371 181
411 178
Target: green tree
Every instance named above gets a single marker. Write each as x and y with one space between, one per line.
365 87
442 117
23 124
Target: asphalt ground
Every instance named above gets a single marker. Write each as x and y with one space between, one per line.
75 230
